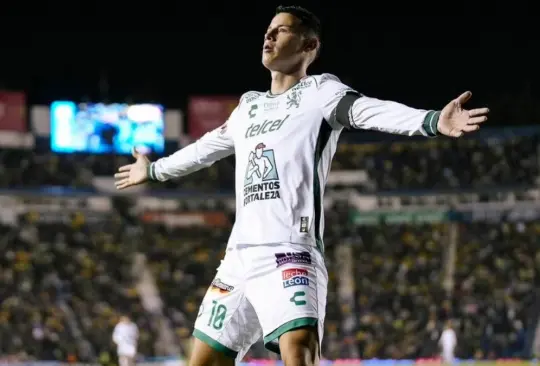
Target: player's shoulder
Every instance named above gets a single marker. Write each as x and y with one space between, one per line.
325 79
250 97
247 100
330 84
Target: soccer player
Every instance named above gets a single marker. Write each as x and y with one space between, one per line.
125 336
273 281
448 343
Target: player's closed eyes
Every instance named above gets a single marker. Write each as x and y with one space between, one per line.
279 30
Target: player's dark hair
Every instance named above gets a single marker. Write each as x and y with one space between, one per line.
311 25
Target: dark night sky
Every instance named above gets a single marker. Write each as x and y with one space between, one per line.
423 59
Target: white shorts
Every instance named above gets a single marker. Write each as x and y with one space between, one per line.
263 291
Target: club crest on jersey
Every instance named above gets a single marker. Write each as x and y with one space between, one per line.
261 181
294 98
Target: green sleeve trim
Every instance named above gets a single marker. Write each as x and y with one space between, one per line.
431 120
214 344
271 340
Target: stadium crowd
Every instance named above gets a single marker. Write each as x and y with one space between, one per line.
445 164
63 286
64 283
414 165
496 281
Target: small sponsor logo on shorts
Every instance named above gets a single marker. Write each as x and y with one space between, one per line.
304 220
298 298
295 277
220 287
294 257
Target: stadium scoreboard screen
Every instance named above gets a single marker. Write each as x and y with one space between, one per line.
99 128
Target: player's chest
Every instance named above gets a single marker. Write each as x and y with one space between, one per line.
277 120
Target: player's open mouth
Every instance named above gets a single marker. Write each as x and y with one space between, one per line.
268 48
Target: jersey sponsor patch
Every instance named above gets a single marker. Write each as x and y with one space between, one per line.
267 126
253 111
294 257
304 222
303 84
223 128
251 96
294 277
219 286
261 181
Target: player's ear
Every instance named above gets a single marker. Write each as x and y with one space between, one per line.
310 44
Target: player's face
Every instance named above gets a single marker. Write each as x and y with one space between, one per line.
283 47
258 153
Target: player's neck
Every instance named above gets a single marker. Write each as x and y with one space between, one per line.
282 82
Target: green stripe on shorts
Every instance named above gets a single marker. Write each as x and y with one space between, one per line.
214 344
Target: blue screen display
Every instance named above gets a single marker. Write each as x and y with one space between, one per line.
106 128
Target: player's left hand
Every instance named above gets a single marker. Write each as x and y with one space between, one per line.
455 121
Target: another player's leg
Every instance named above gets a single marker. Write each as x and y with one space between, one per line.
124 360
227 324
287 288
448 355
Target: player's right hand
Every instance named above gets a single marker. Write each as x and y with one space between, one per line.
133 174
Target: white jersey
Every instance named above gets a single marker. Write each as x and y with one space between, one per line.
448 339
125 336
284 145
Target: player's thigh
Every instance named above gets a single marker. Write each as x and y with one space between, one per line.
300 347
202 354
227 322
288 291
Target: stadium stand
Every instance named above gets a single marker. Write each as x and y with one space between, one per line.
496 280
441 164
399 272
497 159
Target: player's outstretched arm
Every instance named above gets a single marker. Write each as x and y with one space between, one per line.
453 120
213 146
343 106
